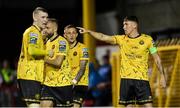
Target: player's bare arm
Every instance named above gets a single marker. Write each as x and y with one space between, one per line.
55 61
161 70
81 72
99 36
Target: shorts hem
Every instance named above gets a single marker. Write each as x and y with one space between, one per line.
77 101
133 102
47 98
32 100
127 102
144 101
64 105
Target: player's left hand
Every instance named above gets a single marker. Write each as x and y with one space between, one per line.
162 81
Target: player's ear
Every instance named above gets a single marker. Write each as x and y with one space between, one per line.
55 29
76 34
34 17
65 35
134 24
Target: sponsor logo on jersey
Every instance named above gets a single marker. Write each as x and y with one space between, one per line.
62 45
85 53
33 38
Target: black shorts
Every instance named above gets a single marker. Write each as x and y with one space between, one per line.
61 96
30 90
79 92
135 91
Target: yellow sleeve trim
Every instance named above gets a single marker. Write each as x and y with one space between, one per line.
153 50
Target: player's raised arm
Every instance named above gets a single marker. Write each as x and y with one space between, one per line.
99 36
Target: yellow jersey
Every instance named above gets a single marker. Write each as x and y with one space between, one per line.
76 54
54 76
31 60
134 55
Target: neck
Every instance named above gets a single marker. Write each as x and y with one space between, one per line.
72 44
34 23
54 36
134 34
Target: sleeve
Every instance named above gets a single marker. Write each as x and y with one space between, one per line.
84 53
152 47
63 47
33 47
32 50
117 39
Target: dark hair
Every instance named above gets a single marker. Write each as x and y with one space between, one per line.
131 18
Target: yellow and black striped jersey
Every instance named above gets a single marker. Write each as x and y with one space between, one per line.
54 76
76 54
134 55
31 60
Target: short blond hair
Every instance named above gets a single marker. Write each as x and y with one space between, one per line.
36 10
70 26
53 20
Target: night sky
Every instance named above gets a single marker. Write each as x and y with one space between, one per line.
14 21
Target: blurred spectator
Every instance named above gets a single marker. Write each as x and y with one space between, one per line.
7 73
7 80
102 91
100 84
89 99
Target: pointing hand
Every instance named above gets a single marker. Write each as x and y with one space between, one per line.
82 30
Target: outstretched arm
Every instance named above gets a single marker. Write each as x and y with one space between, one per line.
99 36
161 70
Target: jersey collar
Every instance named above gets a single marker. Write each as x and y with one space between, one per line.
135 37
37 28
74 45
55 37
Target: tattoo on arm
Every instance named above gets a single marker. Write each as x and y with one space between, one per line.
81 71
